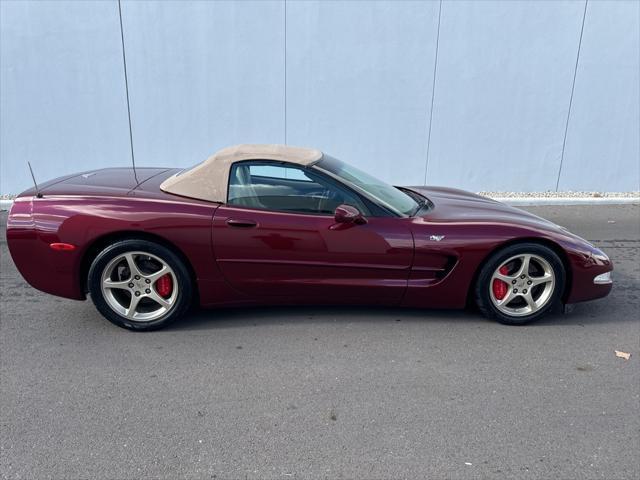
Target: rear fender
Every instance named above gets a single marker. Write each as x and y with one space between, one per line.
35 223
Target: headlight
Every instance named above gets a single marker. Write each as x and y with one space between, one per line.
602 279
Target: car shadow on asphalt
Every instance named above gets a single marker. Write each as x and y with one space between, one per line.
242 317
246 316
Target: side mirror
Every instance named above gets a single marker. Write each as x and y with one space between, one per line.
348 214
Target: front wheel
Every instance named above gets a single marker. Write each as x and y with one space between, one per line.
520 283
139 285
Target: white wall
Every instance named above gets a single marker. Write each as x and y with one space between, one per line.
355 79
504 81
62 98
359 80
203 76
603 138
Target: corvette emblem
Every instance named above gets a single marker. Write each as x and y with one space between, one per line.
437 238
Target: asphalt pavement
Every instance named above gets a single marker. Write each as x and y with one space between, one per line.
327 392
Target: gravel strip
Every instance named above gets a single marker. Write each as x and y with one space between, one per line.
569 194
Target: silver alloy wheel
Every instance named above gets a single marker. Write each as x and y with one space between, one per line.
129 286
530 282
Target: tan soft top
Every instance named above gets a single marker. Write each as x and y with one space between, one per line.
209 180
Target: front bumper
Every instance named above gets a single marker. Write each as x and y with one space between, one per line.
591 275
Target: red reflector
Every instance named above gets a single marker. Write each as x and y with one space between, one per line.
499 287
164 285
63 247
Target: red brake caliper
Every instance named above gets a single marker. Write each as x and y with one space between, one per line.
164 285
499 287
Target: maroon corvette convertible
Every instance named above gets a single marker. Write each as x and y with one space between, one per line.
266 224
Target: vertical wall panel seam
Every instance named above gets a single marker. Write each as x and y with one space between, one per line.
433 93
126 88
573 86
285 72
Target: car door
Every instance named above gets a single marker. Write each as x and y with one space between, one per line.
277 237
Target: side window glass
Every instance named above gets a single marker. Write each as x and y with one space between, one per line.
278 171
286 188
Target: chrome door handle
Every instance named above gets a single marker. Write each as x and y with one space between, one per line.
241 223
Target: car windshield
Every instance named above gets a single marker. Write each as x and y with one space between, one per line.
389 196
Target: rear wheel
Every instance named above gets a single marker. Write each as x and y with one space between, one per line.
520 283
139 285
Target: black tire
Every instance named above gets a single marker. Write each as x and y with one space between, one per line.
181 302
482 288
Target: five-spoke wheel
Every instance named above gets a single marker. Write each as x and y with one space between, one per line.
520 283
139 285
